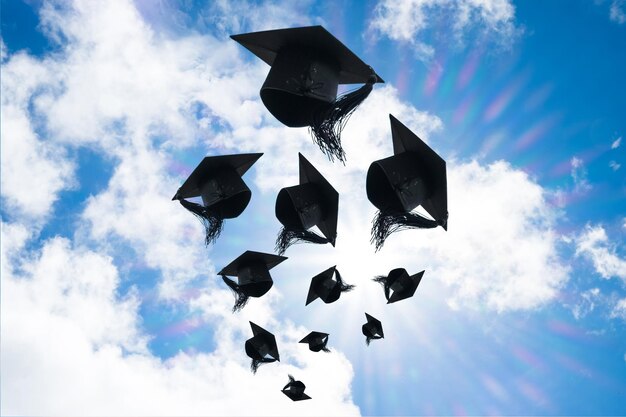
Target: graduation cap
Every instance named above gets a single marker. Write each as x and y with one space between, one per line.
253 272
415 175
261 347
295 390
307 65
373 329
317 341
314 202
399 284
325 287
224 193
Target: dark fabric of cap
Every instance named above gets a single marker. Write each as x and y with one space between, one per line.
317 341
373 329
414 176
313 202
218 181
307 65
295 390
253 278
261 348
399 285
326 288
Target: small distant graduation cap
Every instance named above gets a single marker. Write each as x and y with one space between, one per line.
373 329
325 287
224 193
317 341
415 175
399 284
295 390
314 202
307 65
261 348
253 272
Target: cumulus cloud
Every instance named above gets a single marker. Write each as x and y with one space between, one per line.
616 12
593 244
405 21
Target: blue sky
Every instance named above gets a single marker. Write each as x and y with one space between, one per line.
108 291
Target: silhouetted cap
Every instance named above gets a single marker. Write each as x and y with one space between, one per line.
317 341
314 202
254 279
224 193
399 284
261 348
325 287
415 175
307 65
295 390
373 329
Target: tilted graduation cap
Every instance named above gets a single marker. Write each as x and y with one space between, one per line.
253 272
261 348
399 284
224 193
295 390
314 202
373 329
317 341
415 175
325 287
307 65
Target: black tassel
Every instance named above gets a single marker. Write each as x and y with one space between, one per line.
368 340
212 223
384 224
287 237
382 280
344 287
240 298
328 123
254 365
325 349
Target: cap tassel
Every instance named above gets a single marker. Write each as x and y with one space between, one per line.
254 365
287 237
368 340
325 349
328 123
343 286
382 280
384 224
213 224
240 298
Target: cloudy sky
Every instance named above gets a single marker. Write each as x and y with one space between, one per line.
110 301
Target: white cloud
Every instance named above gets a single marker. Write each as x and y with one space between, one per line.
616 12
614 165
579 175
619 309
405 21
593 243
587 303
616 143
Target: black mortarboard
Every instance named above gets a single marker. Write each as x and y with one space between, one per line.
295 390
415 175
317 341
261 348
253 272
314 202
307 65
325 287
373 329
399 284
224 193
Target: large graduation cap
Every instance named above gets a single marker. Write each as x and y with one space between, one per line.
325 287
307 65
254 279
314 202
261 347
399 284
373 329
317 341
415 175
224 193
295 390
